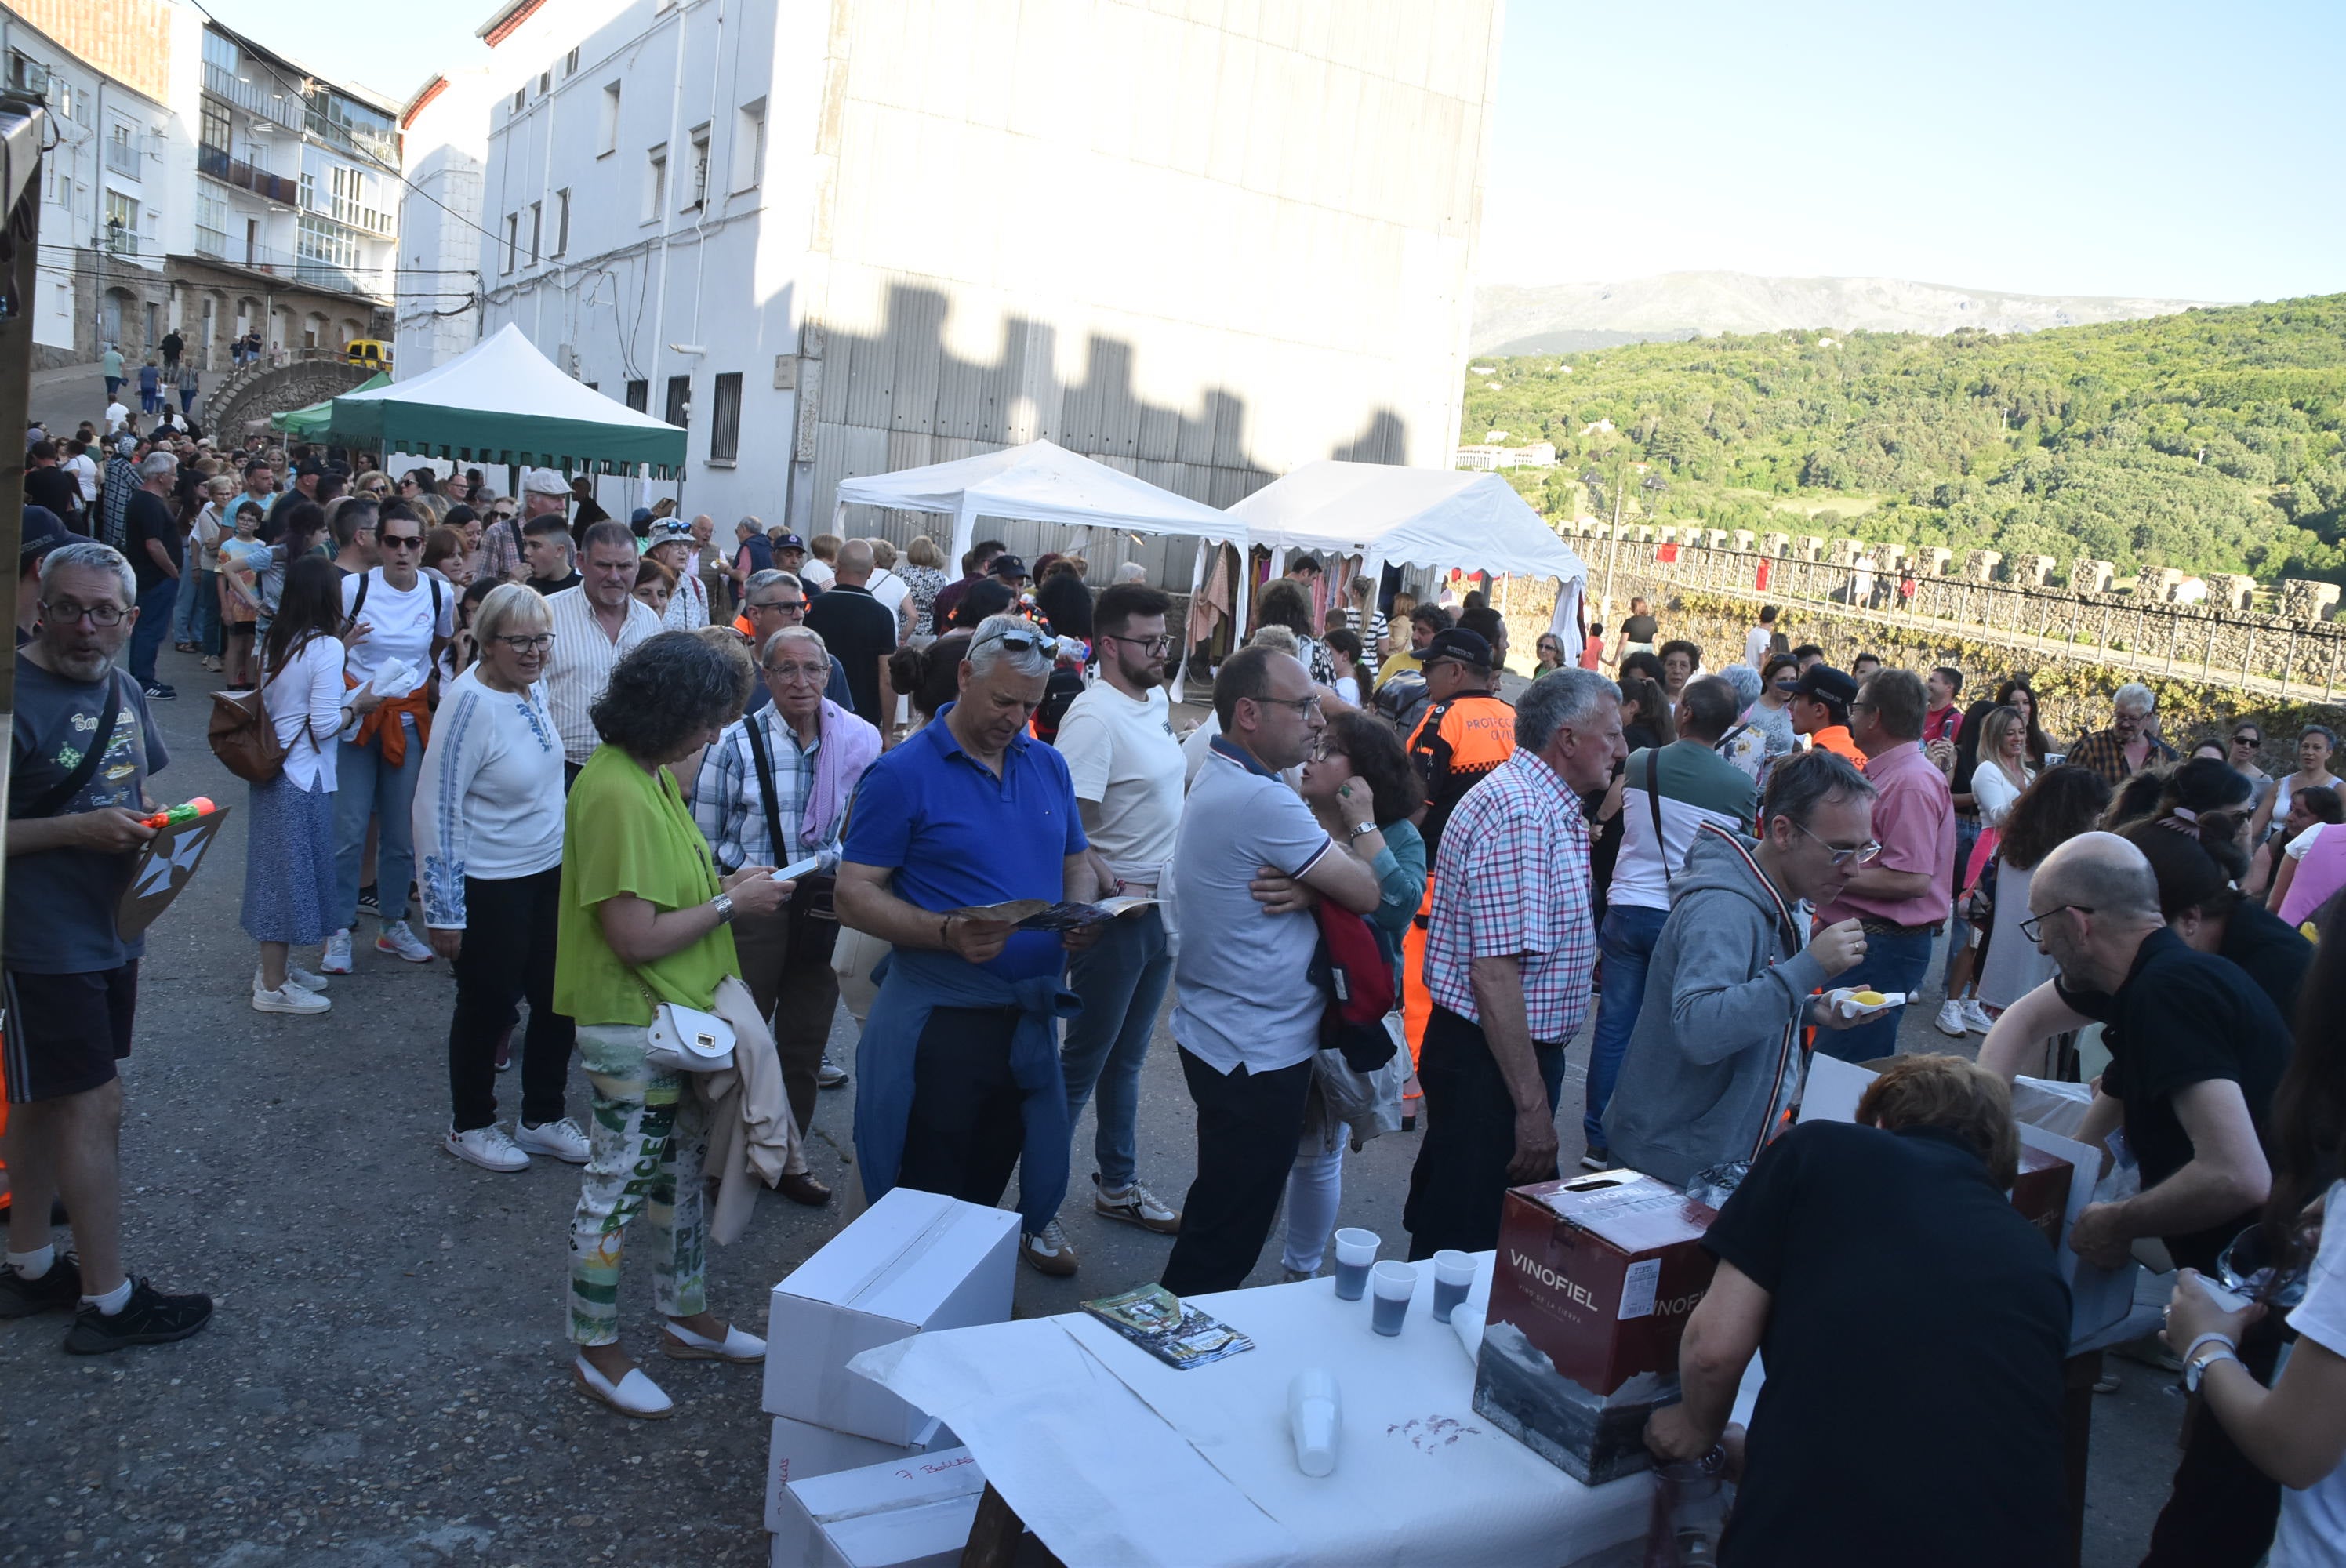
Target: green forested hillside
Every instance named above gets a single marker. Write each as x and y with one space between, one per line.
2210 441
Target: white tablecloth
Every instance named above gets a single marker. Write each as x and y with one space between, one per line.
1118 1461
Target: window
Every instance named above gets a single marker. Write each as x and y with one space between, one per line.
570 65
561 222
544 83
536 227
639 396
308 192
749 147
61 97
215 127
608 138
696 189
521 96
679 402
320 240
725 419
513 238
121 224
655 183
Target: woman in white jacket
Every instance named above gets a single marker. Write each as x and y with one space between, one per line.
488 841
289 846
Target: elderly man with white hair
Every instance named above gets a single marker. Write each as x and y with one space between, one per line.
157 548
544 492
959 1064
2127 745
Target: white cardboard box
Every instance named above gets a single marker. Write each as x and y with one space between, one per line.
801 1450
913 1261
915 1514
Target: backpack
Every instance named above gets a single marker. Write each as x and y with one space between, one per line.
1355 966
243 736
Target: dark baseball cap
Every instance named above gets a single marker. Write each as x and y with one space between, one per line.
1826 683
787 542
44 532
1460 644
1008 566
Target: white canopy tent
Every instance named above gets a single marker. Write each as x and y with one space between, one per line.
1429 517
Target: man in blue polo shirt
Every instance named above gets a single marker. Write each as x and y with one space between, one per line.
959 1063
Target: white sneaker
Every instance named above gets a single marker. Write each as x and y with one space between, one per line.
1048 1251
335 958
287 998
1951 1020
487 1147
1975 1016
401 942
1135 1205
295 976
562 1139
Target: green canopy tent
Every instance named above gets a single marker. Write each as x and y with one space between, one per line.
502 402
311 423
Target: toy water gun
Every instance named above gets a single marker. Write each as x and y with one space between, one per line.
201 806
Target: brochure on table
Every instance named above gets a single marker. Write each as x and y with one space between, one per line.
1064 1413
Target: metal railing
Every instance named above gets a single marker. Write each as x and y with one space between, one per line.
2273 655
125 159
211 243
254 97
216 162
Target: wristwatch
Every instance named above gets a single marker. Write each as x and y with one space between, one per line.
723 904
1360 827
2205 1352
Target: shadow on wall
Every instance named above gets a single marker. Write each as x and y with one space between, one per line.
901 397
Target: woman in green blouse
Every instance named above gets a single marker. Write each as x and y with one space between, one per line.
643 921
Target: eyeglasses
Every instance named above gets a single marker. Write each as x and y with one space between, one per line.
1157 644
1016 640
780 607
799 671
501 516
1306 706
65 613
1858 854
2030 929
528 645
400 541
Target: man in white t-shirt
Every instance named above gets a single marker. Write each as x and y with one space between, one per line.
1248 1021
1117 739
407 616
1760 639
115 412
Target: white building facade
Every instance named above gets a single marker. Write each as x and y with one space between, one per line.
834 238
445 147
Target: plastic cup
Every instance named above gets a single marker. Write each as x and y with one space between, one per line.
1355 1251
1453 1275
1391 1284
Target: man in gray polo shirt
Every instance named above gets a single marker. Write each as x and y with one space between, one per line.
1248 862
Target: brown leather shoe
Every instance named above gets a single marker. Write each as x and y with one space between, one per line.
799 1187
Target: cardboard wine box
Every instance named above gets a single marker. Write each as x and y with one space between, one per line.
1595 1280
2041 1193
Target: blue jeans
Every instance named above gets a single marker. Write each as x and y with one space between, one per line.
365 786
204 624
1122 980
154 624
1967 835
182 606
1627 943
1892 962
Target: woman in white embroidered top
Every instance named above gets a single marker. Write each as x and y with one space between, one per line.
289 845
488 841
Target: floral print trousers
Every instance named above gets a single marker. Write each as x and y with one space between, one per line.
647 1144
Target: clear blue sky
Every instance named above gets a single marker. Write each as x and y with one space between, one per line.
2084 147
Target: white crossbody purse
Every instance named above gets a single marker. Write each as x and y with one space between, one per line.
686 1040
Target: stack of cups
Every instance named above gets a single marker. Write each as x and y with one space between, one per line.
1391 1284
1355 1251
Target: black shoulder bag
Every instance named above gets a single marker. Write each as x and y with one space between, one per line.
61 794
813 914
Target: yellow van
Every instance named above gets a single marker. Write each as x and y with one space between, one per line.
371 352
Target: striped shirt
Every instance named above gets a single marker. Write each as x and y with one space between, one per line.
730 808
580 666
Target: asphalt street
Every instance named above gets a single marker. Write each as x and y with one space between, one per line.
385 1382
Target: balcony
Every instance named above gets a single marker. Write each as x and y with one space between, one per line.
263 98
216 162
125 159
211 243
356 140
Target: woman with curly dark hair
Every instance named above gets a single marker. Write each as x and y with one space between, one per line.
1361 787
644 919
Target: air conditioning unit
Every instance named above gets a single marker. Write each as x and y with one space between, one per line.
27 78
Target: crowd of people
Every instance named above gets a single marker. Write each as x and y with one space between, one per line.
654 791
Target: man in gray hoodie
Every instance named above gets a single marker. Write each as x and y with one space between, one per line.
1716 1061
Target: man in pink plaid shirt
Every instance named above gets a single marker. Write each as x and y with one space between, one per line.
1509 954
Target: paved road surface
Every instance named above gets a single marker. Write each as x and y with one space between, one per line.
385 1384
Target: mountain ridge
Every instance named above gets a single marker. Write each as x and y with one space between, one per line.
1569 317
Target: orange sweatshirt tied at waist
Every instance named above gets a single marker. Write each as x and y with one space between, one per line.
383 723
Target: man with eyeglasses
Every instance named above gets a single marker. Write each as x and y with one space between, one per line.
775 601
1903 894
1715 1063
1128 769
397 611
772 791
958 1069
596 625
2127 745
1248 862
83 747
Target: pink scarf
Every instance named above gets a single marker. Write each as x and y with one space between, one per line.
848 747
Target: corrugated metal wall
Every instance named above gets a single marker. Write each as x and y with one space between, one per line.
1200 241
